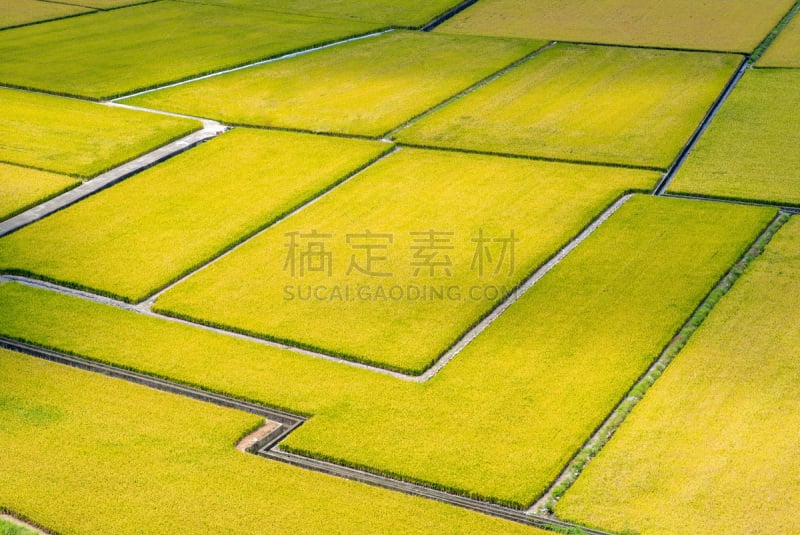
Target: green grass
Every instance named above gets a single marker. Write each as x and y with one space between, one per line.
18 12
735 26
134 460
176 215
750 149
366 87
589 103
410 13
501 419
107 54
78 138
12 528
785 50
544 204
714 437
22 188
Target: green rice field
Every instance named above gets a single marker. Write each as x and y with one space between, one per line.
366 87
187 210
116 52
23 187
78 138
614 105
750 149
379 299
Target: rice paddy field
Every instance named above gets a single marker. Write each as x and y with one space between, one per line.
397 257
735 26
366 87
714 438
785 51
188 210
107 54
567 104
75 137
23 187
21 12
750 149
337 266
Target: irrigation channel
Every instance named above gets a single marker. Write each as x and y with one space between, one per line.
269 446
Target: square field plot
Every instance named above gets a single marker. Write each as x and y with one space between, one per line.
397 263
504 416
731 26
176 215
613 105
76 137
712 447
172 462
785 50
750 150
21 187
407 13
107 54
366 87
19 12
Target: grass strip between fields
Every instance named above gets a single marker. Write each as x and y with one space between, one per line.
558 361
78 138
172 462
749 151
173 217
714 436
612 105
784 50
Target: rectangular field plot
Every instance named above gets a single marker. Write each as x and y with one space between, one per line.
750 150
365 87
21 188
396 264
171 461
139 235
410 13
712 447
107 54
78 138
785 50
18 12
587 103
507 413
731 26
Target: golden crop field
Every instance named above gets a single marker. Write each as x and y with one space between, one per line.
715 437
734 26
394 266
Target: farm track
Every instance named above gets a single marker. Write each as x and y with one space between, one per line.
109 178
268 447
